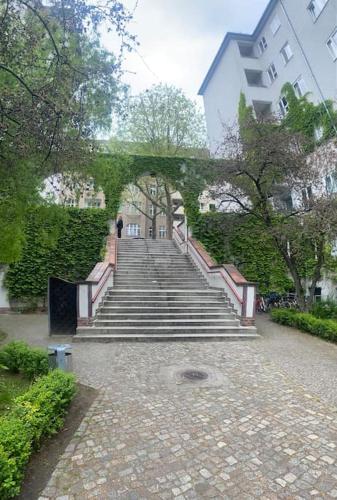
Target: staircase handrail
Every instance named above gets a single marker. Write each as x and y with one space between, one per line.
241 293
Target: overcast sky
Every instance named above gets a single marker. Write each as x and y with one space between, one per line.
179 38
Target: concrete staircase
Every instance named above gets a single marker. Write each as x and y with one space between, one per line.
159 294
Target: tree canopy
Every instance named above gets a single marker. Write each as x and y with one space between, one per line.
58 89
162 121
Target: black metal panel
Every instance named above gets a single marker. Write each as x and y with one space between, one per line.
62 307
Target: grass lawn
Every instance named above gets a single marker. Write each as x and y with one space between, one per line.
11 386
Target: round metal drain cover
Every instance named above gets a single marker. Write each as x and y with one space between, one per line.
194 375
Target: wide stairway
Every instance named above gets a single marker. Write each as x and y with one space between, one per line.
158 293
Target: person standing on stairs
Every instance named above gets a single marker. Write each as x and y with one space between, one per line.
119 227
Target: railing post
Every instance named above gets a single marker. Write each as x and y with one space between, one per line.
248 305
84 305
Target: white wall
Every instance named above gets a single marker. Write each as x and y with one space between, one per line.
4 303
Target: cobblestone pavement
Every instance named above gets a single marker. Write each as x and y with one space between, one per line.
247 432
306 358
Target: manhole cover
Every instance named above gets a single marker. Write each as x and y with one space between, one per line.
194 375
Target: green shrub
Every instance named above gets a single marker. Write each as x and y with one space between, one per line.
326 309
42 408
324 328
18 357
36 414
15 450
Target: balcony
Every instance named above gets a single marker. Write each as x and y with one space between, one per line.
246 50
255 78
262 109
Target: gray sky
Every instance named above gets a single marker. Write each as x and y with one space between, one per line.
179 38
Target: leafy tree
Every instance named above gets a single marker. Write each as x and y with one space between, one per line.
58 89
162 121
263 164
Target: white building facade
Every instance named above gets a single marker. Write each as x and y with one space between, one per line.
295 41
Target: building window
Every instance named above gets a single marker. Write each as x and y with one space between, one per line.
153 190
315 7
152 210
275 25
133 230
319 132
300 87
133 208
287 53
272 73
332 45
284 106
212 207
202 206
307 197
263 45
288 203
331 183
92 202
70 202
162 232
150 232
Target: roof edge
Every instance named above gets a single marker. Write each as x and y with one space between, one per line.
236 36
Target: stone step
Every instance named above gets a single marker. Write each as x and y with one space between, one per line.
165 305
125 273
165 322
131 315
163 286
162 282
91 334
147 267
152 254
138 291
168 309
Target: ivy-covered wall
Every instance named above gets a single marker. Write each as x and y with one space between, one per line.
242 241
60 242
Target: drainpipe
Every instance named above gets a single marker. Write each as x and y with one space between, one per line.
309 65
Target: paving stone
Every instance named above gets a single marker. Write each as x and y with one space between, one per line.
257 435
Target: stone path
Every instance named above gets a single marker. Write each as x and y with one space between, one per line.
259 427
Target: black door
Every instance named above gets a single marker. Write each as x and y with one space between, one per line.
62 307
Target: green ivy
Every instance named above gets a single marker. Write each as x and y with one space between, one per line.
243 241
59 242
113 172
305 117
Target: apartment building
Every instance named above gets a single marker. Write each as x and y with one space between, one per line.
295 41
133 207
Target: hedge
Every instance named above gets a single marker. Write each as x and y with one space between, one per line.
325 309
18 357
324 328
36 414
61 242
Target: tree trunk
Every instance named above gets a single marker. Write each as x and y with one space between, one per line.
154 227
291 265
317 274
169 213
